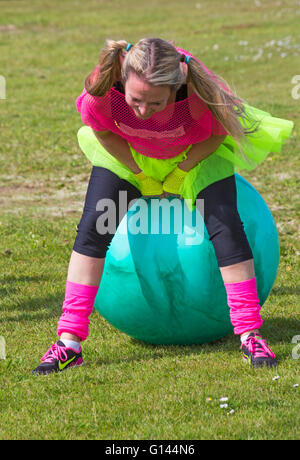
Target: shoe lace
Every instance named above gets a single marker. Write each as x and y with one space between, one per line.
56 352
259 348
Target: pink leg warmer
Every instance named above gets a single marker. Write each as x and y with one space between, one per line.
244 305
78 305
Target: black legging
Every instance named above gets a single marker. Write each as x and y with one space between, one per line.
221 217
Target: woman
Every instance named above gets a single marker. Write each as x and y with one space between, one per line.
158 121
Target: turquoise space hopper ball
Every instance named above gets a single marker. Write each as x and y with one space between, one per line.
167 288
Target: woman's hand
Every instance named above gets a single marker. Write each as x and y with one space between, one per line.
149 186
174 181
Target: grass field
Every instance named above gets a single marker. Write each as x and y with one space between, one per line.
129 390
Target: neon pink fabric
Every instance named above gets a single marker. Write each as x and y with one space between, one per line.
77 306
163 135
244 305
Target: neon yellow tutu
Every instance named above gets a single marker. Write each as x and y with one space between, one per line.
227 159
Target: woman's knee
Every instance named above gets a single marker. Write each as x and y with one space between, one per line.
223 223
90 241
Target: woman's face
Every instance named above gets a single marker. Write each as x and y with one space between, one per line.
146 99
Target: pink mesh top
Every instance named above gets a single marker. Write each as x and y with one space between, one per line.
163 135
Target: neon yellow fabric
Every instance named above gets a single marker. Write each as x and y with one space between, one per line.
174 181
226 160
148 185
270 137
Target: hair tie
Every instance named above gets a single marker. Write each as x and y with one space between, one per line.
129 46
185 58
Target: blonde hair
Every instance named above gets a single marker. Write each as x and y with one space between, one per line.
158 62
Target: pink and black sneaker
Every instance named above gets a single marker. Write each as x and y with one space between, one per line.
59 358
256 351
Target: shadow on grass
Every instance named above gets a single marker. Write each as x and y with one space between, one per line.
14 283
285 290
276 331
17 310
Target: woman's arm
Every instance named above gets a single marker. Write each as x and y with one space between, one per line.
117 147
199 152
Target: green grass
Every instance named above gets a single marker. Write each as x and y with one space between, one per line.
130 390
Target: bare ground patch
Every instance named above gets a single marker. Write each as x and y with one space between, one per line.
55 198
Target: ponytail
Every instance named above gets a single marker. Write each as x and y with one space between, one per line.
223 104
101 80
